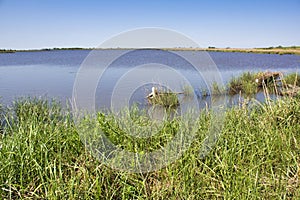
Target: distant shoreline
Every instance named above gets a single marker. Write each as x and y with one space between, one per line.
269 50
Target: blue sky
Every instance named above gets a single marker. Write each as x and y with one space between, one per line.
34 24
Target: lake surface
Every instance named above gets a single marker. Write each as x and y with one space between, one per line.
52 73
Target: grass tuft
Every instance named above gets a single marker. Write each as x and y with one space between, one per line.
245 84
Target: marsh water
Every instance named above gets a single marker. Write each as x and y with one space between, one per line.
51 74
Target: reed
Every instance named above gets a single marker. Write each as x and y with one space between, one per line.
256 156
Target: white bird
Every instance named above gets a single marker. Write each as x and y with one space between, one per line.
153 94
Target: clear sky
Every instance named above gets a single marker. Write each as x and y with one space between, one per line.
34 24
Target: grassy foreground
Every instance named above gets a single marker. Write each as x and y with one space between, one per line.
257 156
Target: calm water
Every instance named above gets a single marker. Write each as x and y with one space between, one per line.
52 73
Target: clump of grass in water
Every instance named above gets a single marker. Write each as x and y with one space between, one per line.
165 98
250 83
258 151
217 90
245 84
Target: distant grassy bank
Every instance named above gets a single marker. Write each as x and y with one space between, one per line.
38 50
268 50
257 156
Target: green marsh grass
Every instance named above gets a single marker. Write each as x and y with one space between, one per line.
290 85
292 79
165 98
245 84
217 90
257 156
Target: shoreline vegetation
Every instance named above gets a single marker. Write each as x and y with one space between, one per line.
256 156
247 85
250 83
268 50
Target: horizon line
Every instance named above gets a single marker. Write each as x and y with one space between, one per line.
167 48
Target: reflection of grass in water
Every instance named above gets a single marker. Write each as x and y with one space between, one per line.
42 156
188 90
